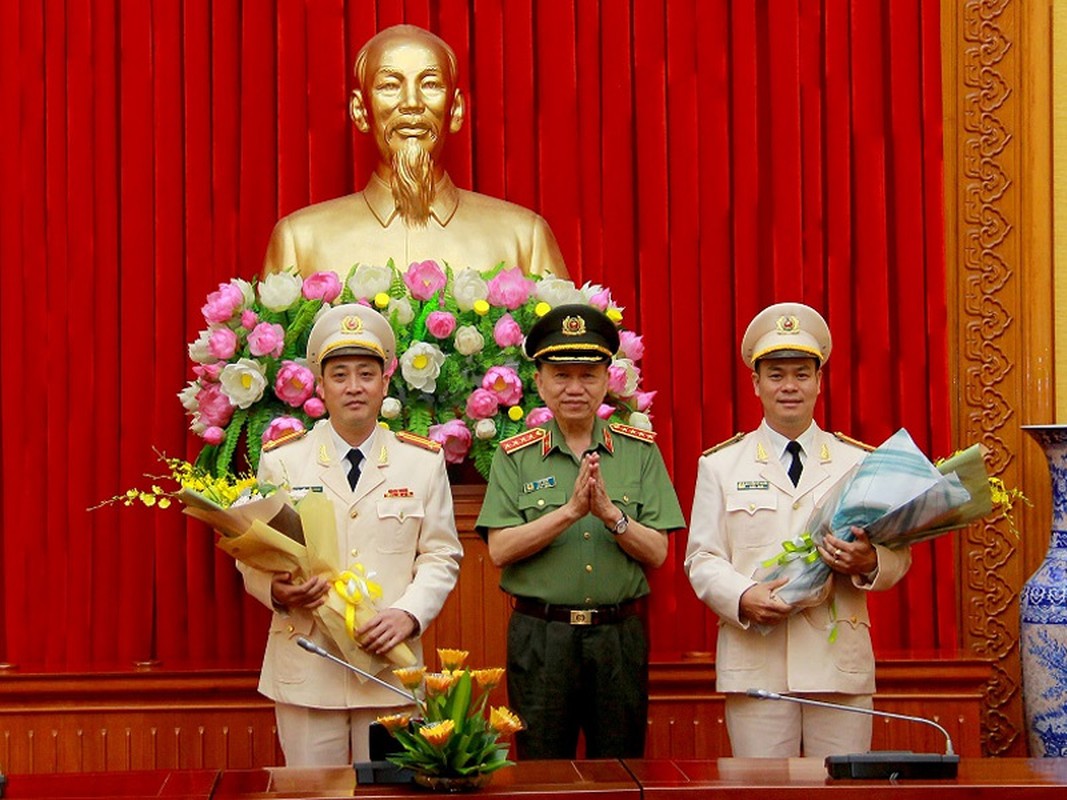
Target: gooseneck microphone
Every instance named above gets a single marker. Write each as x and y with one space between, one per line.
311 647
891 764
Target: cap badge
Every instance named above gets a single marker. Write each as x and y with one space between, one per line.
573 326
788 324
352 324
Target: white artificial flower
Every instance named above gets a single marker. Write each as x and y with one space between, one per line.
369 280
402 306
633 375
188 396
639 419
468 340
279 290
199 351
557 291
485 429
247 291
421 364
589 290
198 426
467 287
391 408
243 382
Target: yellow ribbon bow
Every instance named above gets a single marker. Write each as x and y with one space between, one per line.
353 585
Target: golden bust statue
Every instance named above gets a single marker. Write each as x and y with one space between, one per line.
410 210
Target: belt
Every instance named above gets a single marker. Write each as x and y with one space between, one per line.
598 615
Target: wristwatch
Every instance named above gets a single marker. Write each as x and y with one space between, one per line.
621 526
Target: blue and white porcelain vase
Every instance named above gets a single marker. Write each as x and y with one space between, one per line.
1043 609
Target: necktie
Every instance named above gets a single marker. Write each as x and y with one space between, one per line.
795 468
355 459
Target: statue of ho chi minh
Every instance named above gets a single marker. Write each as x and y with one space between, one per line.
407 98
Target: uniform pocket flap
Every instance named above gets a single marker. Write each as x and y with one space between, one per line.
751 502
400 508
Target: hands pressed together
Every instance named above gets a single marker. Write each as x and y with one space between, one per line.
590 496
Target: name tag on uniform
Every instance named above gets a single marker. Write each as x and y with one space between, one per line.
752 485
402 492
544 483
300 492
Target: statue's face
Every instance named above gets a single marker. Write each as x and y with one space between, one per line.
408 96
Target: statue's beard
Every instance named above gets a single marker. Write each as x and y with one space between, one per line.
413 182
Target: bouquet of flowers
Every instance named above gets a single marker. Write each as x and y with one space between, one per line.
460 376
452 736
263 527
900 498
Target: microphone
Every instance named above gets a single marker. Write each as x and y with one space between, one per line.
892 764
311 647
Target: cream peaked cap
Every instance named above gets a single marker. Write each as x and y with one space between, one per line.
786 330
350 330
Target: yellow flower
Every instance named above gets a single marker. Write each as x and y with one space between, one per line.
394 722
381 300
481 307
614 315
488 678
439 733
542 308
515 413
452 659
504 721
410 677
438 682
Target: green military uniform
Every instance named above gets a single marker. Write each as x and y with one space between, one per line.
563 675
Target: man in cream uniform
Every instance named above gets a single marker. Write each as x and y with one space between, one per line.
750 496
394 516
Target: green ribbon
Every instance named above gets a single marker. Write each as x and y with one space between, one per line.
793 549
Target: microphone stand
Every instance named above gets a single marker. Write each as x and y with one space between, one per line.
891 764
311 647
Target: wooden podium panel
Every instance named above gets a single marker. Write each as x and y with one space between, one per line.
606 780
193 784
800 778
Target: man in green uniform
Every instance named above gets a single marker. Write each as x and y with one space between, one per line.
574 512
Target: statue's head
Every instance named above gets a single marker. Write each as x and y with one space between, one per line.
407 95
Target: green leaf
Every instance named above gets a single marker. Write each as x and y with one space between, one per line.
224 459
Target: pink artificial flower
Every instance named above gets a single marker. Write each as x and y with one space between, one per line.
267 338
280 426
440 324
482 404
631 345
424 278
616 380
249 318
325 286
222 343
209 372
294 383
601 299
605 411
314 407
644 400
538 416
222 304
507 332
214 435
505 384
213 406
509 288
455 438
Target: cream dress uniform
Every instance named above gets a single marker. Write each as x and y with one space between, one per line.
398 523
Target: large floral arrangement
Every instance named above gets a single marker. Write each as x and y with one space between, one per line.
460 376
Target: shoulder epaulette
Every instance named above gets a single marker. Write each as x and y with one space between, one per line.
737 437
634 433
521 440
419 441
854 442
285 438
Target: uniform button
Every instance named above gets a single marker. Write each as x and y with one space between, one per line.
355 552
588 600
751 506
587 535
796 505
289 628
541 502
853 619
588 567
626 498
353 513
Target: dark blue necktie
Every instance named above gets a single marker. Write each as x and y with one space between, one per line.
355 459
795 468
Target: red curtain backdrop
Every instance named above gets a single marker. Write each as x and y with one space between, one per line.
703 158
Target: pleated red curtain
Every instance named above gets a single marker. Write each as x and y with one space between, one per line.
701 157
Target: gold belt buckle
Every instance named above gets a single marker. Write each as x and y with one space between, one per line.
581 616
